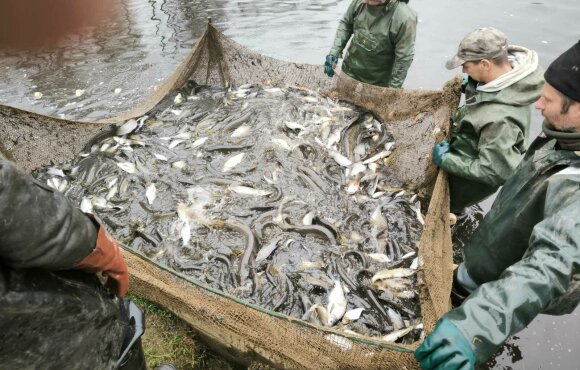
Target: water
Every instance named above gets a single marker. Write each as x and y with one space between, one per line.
149 39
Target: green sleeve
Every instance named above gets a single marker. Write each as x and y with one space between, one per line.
501 308
498 155
344 31
404 41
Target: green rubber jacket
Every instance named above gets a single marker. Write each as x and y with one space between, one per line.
383 42
490 131
526 252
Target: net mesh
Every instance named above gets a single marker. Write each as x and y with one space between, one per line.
245 333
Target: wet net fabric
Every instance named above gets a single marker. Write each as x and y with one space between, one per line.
245 333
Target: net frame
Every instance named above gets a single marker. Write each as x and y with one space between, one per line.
246 333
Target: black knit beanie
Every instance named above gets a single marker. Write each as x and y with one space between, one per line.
564 73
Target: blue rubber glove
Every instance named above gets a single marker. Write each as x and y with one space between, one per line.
329 65
464 82
439 151
446 349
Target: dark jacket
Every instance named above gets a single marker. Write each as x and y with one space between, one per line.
50 316
383 42
526 252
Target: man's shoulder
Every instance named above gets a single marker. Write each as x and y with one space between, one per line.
404 12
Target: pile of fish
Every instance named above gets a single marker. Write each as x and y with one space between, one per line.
276 196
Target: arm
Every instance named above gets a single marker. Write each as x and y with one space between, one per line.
39 227
501 308
497 158
344 31
404 41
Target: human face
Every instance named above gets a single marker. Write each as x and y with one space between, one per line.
550 105
375 2
476 70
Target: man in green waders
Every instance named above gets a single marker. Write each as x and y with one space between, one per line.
524 259
490 131
383 42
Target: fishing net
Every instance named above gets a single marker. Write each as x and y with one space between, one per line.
246 333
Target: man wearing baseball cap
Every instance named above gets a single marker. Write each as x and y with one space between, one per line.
524 258
490 131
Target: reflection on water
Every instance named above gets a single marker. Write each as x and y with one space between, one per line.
149 39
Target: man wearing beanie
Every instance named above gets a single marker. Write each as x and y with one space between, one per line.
524 259
490 131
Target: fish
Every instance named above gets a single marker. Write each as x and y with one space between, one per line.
379 257
151 193
378 220
53 171
185 233
310 99
316 314
245 190
294 125
309 265
127 167
357 168
320 280
343 343
180 136
127 127
353 186
178 164
199 142
307 219
393 274
336 304
242 131
281 143
175 143
376 157
267 250
397 334
352 315
395 318
86 206
232 162
178 99
112 192
339 158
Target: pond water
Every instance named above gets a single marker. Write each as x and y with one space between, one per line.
118 64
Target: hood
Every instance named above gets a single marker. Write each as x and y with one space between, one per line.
521 86
523 61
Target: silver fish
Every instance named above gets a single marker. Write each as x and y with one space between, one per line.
245 190
127 167
336 304
339 158
151 193
394 336
199 142
352 315
232 162
241 131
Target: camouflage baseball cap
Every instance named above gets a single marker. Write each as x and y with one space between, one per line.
483 43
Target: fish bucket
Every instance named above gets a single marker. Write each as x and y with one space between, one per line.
249 334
